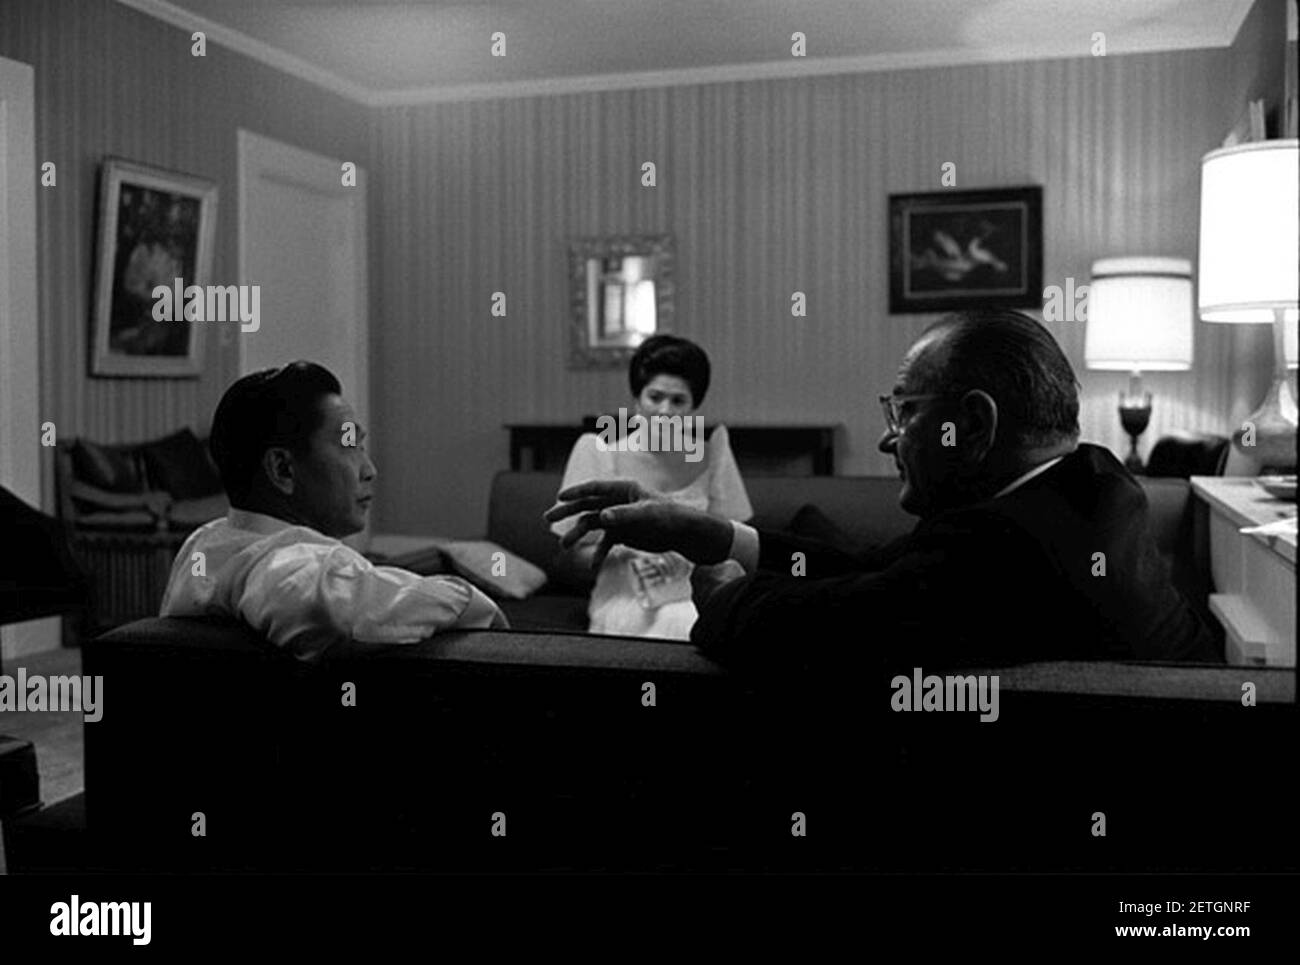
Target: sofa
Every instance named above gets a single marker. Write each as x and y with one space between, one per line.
410 757
861 510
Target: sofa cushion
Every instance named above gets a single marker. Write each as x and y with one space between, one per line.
89 499
113 468
476 560
179 464
515 515
131 519
863 508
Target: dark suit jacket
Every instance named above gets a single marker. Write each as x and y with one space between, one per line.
1001 581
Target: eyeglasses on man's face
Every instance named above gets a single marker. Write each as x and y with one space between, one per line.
892 407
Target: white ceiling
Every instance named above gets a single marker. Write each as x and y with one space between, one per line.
384 52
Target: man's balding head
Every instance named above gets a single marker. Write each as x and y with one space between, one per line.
1000 397
1015 360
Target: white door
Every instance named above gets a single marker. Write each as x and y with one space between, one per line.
302 240
21 458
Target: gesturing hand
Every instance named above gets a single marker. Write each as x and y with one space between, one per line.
635 517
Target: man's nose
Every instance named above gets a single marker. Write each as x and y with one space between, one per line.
888 442
368 470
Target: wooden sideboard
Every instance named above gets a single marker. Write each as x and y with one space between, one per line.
1254 573
760 450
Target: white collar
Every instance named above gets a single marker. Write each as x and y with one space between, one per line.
257 522
1021 480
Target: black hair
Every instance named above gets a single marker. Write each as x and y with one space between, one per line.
1014 359
670 355
274 407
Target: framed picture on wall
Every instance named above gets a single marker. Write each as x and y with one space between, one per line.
156 228
966 249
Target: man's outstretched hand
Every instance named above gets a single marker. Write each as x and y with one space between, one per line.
628 514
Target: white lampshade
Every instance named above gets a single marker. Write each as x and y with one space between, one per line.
1140 315
1250 223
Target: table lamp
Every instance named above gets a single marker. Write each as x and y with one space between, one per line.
1139 319
1249 273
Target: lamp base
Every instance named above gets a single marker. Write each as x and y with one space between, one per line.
1268 435
1134 416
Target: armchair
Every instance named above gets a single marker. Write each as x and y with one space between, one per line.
127 509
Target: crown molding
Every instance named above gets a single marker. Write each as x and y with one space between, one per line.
258 50
725 73
758 70
1235 18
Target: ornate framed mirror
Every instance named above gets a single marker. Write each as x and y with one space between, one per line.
621 293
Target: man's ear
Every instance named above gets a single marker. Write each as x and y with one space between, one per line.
980 430
277 463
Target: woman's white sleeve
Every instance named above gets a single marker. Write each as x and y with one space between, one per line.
727 496
585 465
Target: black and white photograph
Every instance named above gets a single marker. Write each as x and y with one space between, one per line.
686 460
155 227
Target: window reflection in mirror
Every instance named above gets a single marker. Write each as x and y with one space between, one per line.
620 300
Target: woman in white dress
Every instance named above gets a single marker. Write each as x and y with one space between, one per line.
649 594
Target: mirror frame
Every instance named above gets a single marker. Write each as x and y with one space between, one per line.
584 355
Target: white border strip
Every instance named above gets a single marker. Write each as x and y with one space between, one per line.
758 70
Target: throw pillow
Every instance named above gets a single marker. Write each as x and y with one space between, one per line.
111 468
505 577
179 464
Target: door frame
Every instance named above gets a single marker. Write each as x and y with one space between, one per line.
21 460
26 467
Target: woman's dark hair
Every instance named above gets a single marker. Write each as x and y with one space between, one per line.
272 408
1016 360
670 355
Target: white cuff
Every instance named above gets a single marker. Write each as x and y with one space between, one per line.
480 611
744 545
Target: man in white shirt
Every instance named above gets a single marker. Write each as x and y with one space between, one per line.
293 460
1030 545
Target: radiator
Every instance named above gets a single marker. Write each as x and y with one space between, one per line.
128 573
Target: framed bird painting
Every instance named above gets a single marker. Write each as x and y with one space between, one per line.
966 249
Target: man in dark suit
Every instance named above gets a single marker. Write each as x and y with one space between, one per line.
1030 545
